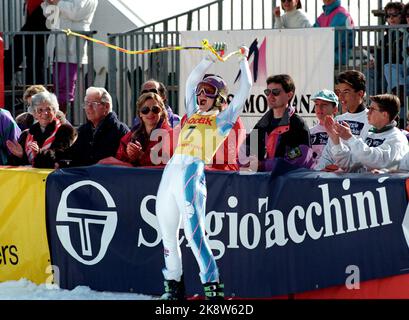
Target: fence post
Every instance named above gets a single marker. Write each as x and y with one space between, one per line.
381 21
112 73
1 71
189 21
220 15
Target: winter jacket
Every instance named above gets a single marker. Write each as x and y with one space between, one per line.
76 15
94 144
287 138
358 122
381 150
9 130
292 19
319 139
335 15
47 158
145 159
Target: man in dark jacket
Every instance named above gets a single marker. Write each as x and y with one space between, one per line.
99 137
280 133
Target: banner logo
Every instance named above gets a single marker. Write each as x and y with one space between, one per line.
78 221
334 212
257 61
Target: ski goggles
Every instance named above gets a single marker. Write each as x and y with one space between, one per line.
208 90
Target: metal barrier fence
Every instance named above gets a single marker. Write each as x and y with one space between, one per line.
12 15
222 15
381 53
370 49
127 73
258 14
27 62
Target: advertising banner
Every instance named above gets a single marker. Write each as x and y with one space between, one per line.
271 234
24 251
307 55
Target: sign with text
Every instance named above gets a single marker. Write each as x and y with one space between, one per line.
272 234
307 55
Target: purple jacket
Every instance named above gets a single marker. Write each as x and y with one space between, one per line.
9 130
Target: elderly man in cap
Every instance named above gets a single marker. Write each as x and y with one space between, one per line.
325 104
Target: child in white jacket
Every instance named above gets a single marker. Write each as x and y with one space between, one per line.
384 146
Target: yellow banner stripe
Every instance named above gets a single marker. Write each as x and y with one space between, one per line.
24 251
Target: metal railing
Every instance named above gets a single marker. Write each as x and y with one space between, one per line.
368 52
27 63
222 15
128 72
381 53
258 14
12 14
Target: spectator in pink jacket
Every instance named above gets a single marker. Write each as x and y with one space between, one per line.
335 15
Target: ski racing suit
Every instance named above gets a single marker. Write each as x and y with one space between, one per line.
182 190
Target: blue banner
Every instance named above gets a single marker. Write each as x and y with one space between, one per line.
273 234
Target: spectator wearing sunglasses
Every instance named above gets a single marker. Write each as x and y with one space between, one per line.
396 68
136 147
388 43
392 44
182 191
280 133
99 137
293 16
159 88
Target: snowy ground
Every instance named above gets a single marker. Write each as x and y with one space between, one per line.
26 290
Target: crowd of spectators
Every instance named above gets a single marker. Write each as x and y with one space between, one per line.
42 137
354 133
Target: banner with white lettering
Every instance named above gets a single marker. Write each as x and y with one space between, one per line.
307 55
272 234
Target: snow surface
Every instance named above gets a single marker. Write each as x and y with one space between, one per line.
24 289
